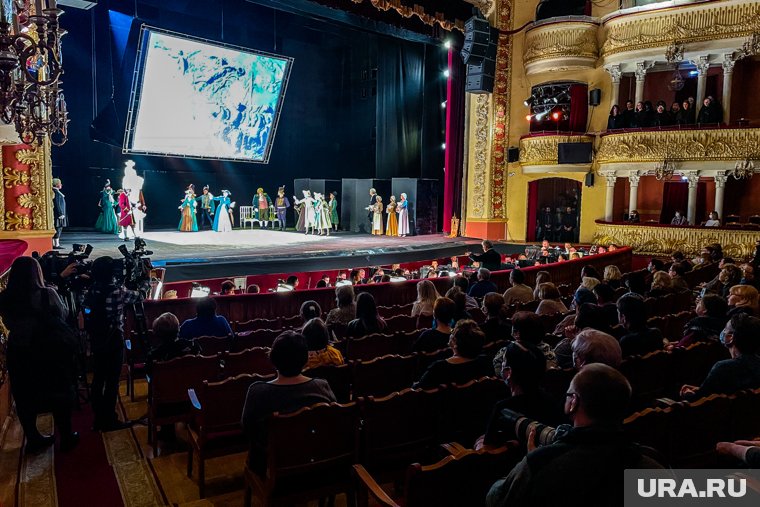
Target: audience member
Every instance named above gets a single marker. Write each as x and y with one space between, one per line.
593 346
597 401
166 330
588 283
713 220
483 286
742 299
741 337
677 274
367 320
228 288
287 393
427 294
636 283
679 219
613 277
679 257
661 117
310 310
661 284
253 289
629 115
638 339
711 112
465 364
527 328
710 320
634 217
460 300
686 116
541 277
496 327
206 322
518 292
321 353
748 275
464 285
616 120
40 367
443 320
605 298
345 312
523 370
588 316
550 300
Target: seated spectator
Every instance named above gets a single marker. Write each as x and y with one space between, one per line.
253 289
615 120
710 113
345 312
713 220
686 115
655 265
466 364
228 288
742 299
636 283
584 295
287 393
613 277
634 217
605 298
541 277
367 320
310 310
427 294
166 334
597 401
527 328
638 339
715 286
710 320
523 370
741 337
496 327
588 282
729 276
642 116
206 322
747 451
321 353
460 300
464 285
443 319
629 115
748 275
678 281
518 292
588 316
550 300
679 219
593 346
675 110
661 284
483 286
661 118
678 256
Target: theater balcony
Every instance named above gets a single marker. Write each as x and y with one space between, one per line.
559 44
548 152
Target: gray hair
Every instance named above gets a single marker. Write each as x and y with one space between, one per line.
593 346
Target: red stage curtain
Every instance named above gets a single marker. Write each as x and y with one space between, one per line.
532 209
578 107
452 190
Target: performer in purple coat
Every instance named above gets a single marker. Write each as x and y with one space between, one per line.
281 204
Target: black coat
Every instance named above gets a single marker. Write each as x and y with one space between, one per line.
59 209
490 259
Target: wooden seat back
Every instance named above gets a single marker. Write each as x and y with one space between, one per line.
254 324
251 339
696 427
212 345
249 361
402 323
649 376
170 380
383 375
371 346
467 408
339 378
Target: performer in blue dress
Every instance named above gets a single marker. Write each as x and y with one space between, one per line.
222 222
403 216
188 222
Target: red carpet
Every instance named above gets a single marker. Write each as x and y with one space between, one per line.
84 476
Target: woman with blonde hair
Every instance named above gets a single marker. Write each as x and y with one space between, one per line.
391 228
742 299
550 300
613 277
426 296
661 284
377 217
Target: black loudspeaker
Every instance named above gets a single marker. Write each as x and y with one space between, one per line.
590 180
513 154
574 153
595 97
479 83
478 39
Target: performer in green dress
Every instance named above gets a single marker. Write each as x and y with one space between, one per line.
333 203
107 221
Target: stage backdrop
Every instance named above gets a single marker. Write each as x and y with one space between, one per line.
328 127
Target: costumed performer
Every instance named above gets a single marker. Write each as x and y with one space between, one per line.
322 211
126 219
377 218
281 204
403 216
107 221
133 185
371 207
59 212
222 222
308 211
188 222
261 204
333 203
206 210
391 228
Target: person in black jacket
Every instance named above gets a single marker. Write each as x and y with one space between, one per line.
59 213
629 115
710 113
638 339
545 224
616 119
489 259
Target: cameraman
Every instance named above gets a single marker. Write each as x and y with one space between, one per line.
104 312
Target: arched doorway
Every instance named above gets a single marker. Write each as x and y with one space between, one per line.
556 225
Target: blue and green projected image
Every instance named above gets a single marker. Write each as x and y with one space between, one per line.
201 100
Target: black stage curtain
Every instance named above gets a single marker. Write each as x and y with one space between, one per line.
400 72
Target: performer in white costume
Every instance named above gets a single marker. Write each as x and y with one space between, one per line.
308 201
134 184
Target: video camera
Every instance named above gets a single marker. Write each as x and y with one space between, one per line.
133 270
53 263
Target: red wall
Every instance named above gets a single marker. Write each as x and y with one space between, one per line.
741 197
651 196
744 104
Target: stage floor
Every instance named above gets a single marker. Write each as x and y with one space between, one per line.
208 254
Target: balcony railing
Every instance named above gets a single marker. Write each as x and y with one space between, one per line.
567 42
541 149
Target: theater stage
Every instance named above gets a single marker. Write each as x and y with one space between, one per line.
208 254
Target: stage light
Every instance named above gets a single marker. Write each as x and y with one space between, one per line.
693 72
446 73
529 101
529 117
447 44
555 116
443 146
541 116
443 104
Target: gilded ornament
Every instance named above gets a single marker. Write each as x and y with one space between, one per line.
542 150
560 41
14 222
481 148
14 178
28 201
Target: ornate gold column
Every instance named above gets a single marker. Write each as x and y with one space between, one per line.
489 125
26 210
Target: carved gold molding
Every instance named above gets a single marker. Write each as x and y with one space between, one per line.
11 177
501 112
485 6
542 150
560 41
40 197
15 222
663 241
680 145
481 155
693 23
